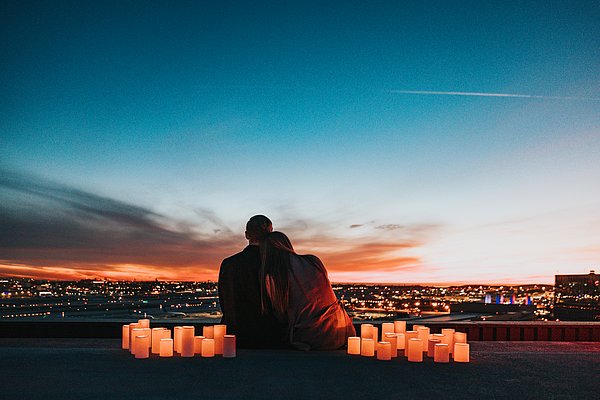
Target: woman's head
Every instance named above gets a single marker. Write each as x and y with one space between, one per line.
275 250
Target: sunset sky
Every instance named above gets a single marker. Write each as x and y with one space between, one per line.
399 141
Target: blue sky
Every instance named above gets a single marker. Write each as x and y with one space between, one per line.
201 114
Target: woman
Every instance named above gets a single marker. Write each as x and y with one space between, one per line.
296 289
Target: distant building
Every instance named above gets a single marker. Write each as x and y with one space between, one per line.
577 297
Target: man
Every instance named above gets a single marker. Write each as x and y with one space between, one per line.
239 292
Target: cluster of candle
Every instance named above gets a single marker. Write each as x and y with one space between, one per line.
397 341
141 341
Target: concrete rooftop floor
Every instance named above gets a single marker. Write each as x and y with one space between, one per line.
99 369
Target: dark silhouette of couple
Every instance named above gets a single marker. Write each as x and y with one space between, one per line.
272 297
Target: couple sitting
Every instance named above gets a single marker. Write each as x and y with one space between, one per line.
272 297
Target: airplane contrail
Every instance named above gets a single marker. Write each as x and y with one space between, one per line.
480 94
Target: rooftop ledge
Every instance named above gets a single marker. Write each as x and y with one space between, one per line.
98 369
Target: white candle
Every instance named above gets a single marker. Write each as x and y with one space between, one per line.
393 339
431 346
460 337
132 338
407 336
219 332
187 341
177 338
208 332
354 345
440 354
142 346
415 350
208 347
461 352
400 341
423 334
145 323
384 351
166 347
399 326
229 350
198 344
125 337
366 331
367 347
157 335
449 338
387 327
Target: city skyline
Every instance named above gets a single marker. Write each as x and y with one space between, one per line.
422 142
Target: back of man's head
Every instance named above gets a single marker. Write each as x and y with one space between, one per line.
258 227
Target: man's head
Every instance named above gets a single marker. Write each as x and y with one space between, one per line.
257 227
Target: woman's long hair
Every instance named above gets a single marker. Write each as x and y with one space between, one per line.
275 250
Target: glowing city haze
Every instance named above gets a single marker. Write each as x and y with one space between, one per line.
418 141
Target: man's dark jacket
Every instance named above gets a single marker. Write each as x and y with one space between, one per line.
239 295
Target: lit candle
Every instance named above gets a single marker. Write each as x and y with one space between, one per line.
393 339
148 331
375 334
384 351
208 347
208 332
416 327
198 344
400 341
187 341
142 346
415 350
449 338
387 327
423 334
440 354
177 338
166 333
132 337
219 332
367 347
354 345
229 350
366 331
460 337
145 323
125 337
461 352
399 326
157 335
431 346
407 336
166 347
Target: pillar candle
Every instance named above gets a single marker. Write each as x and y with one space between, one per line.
367 347
384 351
440 354
387 327
166 347
198 344
177 338
148 331
431 346
461 352
219 334
229 350
399 326
208 332
407 336
400 341
142 346
393 339
187 341
416 327
423 334
132 338
354 345
125 337
449 338
415 350
375 334
460 337
208 347
157 335
366 331
145 323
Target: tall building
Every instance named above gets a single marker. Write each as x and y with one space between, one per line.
577 297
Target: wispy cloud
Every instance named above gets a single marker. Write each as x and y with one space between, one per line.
485 94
